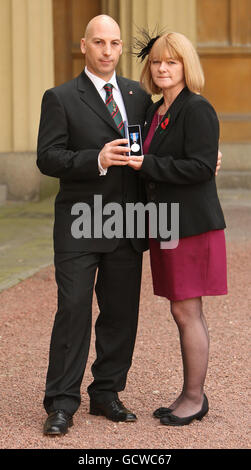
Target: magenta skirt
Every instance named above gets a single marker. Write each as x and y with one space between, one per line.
195 268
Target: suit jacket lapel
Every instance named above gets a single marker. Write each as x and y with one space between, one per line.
91 97
172 112
149 117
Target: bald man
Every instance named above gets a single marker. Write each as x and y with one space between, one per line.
81 142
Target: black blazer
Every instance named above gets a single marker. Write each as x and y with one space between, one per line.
74 126
181 162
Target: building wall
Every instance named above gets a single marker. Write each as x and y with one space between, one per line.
40 48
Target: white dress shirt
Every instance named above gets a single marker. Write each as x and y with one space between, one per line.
99 84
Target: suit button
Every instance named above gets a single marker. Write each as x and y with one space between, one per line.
151 185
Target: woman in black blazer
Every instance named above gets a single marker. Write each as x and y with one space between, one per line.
179 162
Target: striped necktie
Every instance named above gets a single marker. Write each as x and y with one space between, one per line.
113 108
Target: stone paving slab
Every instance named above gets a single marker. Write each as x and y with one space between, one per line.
25 240
26 231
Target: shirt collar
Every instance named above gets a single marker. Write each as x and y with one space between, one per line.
99 82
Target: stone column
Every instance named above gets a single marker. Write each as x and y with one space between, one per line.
32 67
27 60
5 76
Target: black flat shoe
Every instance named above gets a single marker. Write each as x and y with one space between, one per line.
115 411
172 420
57 423
160 412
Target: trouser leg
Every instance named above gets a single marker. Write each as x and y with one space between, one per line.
118 291
70 340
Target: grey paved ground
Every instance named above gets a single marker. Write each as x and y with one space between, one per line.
26 233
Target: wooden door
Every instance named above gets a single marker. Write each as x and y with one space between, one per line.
70 18
224 46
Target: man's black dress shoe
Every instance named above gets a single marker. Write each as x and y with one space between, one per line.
172 420
57 423
160 412
115 411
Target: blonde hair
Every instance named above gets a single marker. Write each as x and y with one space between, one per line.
179 47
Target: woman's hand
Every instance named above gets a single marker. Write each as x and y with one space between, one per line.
136 162
218 165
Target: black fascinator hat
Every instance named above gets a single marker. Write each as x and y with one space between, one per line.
145 41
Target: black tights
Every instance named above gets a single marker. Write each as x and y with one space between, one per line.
194 342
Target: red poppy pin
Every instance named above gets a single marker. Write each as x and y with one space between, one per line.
165 123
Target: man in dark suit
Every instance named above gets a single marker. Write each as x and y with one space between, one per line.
82 143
